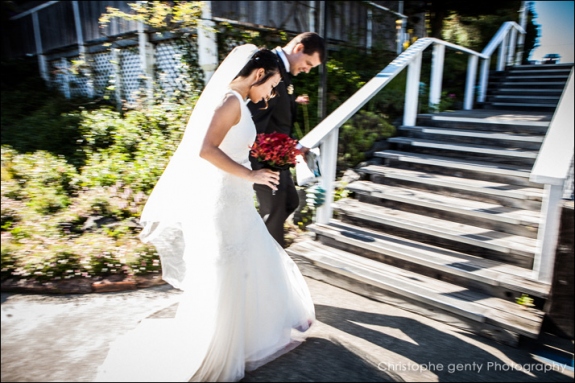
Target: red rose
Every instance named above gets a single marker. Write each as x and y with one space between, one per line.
275 150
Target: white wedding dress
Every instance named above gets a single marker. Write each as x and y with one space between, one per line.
245 302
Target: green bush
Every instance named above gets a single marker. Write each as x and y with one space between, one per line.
132 149
358 135
72 213
41 180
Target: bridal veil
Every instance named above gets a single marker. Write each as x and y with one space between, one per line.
185 196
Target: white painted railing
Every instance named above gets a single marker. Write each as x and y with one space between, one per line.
552 168
504 39
326 132
553 162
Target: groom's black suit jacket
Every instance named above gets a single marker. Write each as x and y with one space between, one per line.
278 117
281 112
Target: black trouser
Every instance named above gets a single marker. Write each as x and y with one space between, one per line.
275 209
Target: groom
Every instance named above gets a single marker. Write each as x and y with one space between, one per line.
303 53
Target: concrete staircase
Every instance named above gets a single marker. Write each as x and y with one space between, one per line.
444 223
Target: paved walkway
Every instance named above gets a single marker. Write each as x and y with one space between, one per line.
63 338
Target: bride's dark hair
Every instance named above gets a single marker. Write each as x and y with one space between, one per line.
264 58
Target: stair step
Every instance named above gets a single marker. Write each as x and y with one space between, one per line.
477 186
523 105
444 263
535 91
480 149
518 250
540 68
513 120
539 98
544 76
564 71
456 164
468 208
372 278
532 83
473 134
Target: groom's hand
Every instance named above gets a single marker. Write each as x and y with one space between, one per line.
302 149
303 99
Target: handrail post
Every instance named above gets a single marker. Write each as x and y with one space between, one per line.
436 75
470 83
328 166
484 77
412 91
511 53
548 233
502 54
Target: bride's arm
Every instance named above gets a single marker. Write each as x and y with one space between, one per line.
226 116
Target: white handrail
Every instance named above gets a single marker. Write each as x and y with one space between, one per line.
365 93
553 161
503 39
500 37
552 168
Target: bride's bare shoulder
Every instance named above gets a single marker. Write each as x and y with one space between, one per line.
229 109
229 102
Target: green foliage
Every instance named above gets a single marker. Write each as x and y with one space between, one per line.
35 117
76 199
342 83
358 135
531 36
525 300
41 180
132 150
9 262
161 16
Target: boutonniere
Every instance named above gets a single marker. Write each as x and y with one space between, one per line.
290 89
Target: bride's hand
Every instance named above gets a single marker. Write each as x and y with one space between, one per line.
266 177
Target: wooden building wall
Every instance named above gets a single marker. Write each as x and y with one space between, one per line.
346 22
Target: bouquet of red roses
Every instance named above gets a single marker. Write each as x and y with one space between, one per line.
275 150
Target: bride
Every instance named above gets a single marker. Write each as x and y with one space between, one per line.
244 300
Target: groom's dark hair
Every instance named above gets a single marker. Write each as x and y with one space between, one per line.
312 43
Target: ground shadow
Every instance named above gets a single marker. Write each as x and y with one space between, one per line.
318 360
435 348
